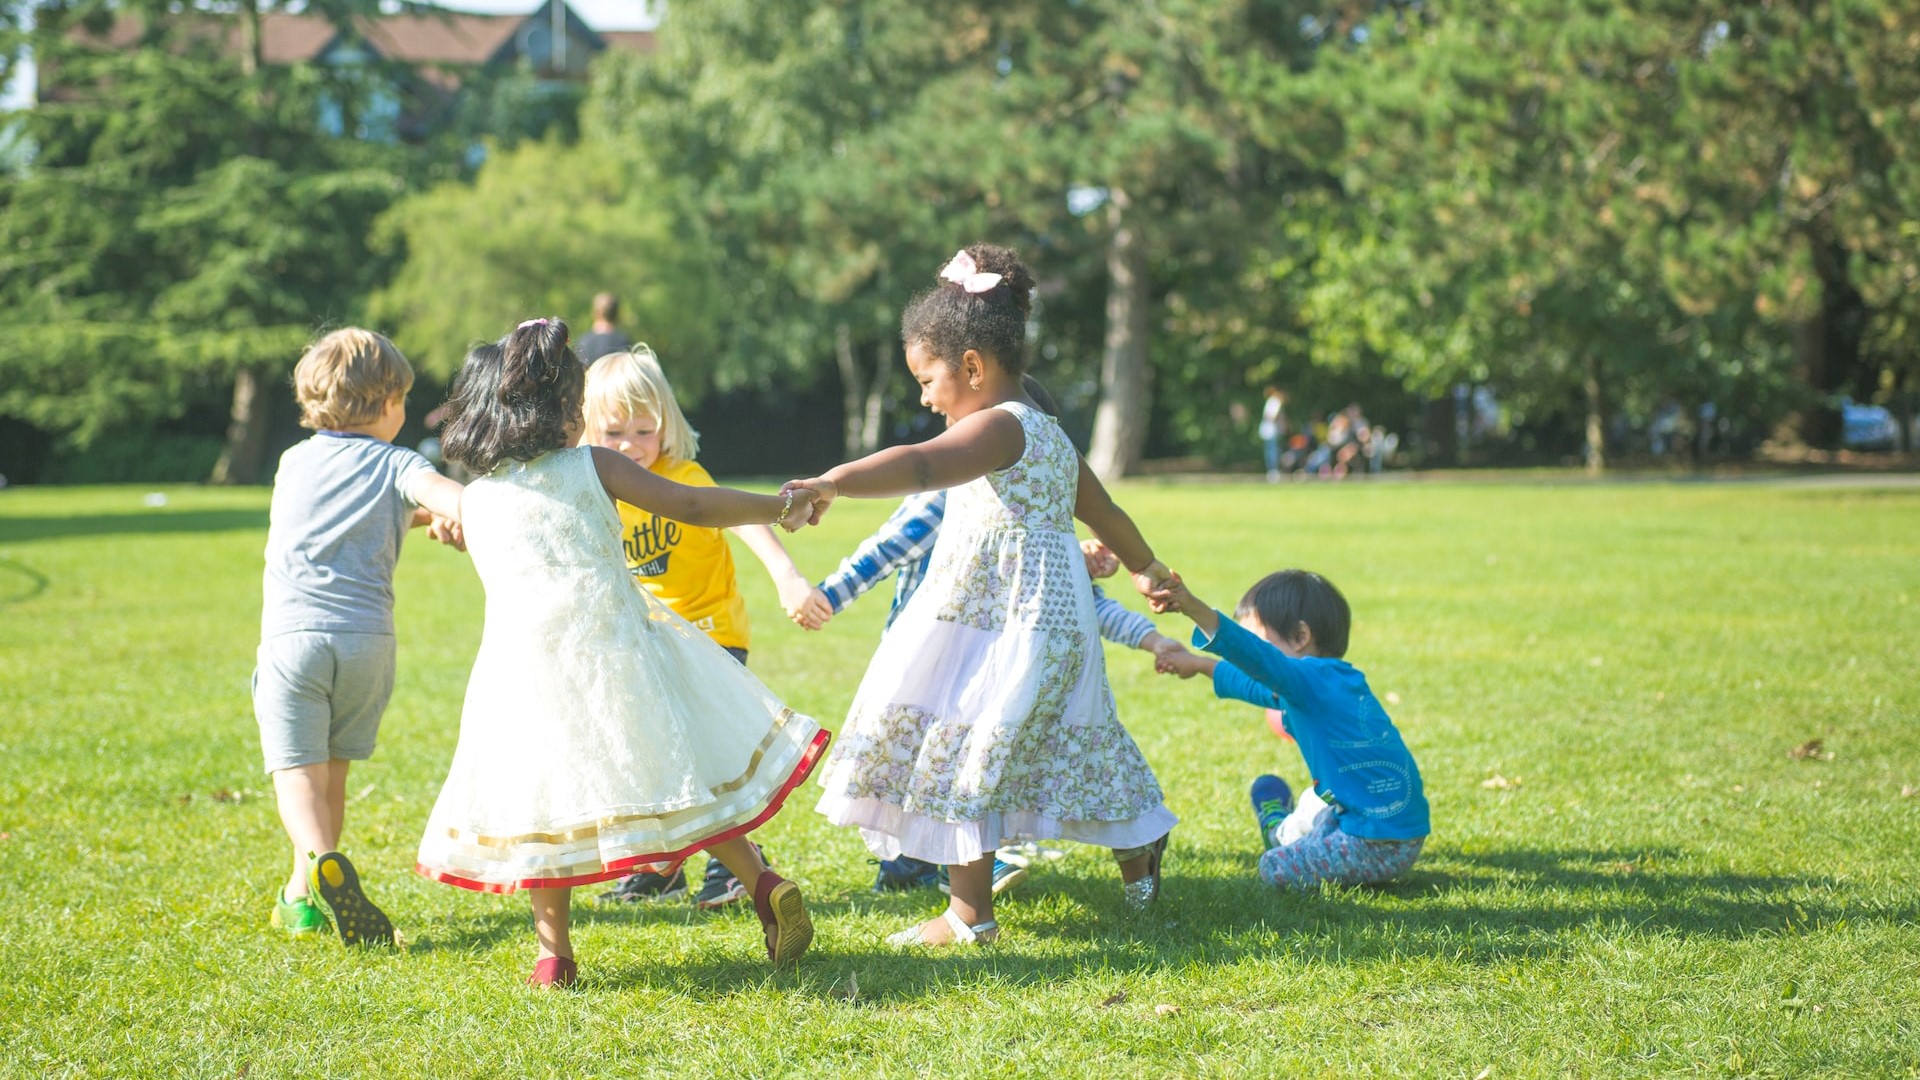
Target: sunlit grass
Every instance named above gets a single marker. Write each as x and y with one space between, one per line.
1630 872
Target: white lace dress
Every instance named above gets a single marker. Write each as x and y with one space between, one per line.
985 716
600 730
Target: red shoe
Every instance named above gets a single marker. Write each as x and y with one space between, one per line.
554 971
783 915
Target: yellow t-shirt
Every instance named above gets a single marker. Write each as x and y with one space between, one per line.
686 567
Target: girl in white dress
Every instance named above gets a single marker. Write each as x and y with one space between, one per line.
601 731
985 716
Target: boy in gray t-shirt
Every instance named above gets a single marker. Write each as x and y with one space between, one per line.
342 502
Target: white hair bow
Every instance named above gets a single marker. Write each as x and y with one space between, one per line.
964 272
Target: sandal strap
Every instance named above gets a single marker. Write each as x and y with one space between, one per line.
969 935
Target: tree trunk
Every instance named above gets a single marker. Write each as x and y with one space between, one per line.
1596 418
853 391
240 460
1827 347
1120 423
873 417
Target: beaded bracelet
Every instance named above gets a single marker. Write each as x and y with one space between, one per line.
786 508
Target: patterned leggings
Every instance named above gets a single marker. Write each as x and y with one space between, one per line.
1313 850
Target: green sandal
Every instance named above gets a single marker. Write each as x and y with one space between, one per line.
299 917
335 882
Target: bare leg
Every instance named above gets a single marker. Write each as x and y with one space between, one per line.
552 912
971 900
310 814
741 860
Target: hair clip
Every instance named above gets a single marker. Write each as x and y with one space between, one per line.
964 272
531 322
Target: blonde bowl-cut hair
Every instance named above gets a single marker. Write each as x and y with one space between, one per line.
345 379
628 384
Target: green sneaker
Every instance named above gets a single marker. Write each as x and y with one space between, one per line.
299 917
335 882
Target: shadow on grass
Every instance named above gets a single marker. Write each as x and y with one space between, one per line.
1479 909
19 582
21 530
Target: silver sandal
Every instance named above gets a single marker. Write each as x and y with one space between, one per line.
1140 895
977 934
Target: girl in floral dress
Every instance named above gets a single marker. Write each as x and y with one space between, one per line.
985 716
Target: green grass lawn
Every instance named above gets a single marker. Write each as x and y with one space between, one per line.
1630 873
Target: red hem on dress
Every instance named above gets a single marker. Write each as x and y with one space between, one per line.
624 866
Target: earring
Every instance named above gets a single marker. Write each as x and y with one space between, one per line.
975 383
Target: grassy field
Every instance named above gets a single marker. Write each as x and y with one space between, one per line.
1631 872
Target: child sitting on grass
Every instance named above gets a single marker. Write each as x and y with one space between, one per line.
1365 819
342 502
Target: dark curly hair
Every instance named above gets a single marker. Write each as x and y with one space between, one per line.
515 398
949 320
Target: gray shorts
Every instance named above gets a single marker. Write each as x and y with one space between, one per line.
318 695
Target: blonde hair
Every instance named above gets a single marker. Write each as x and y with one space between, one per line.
627 384
345 379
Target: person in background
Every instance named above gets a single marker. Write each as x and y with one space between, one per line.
1273 430
605 337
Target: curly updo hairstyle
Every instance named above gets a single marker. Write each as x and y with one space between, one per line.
949 320
516 398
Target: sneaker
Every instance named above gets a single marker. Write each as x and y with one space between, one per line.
905 872
649 884
719 887
1005 876
299 917
1272 802
334 880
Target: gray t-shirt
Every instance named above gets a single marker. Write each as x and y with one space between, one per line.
341 505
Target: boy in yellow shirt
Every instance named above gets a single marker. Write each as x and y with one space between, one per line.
630 408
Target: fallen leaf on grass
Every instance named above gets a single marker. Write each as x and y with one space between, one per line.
1908 791
1496 782
1115 999
1483 1074
1811 750
224 795
6 836
1166 1010
1393 698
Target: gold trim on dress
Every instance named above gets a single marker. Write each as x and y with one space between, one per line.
588 832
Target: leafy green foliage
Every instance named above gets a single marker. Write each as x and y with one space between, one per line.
540 230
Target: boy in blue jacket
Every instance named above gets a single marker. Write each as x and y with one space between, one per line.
1365 818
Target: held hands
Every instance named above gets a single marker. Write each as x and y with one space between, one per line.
1172 595
794 590
1152 578
803 510
813 610
822 490
448 532
1179 661
1101 561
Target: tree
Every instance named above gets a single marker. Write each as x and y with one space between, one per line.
539 231
182 221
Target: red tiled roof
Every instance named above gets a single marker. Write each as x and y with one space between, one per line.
448 37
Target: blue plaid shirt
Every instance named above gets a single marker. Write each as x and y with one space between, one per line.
903 546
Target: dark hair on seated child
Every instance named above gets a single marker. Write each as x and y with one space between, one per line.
515 399
949 320
1285 599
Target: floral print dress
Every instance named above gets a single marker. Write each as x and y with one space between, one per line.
985 715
